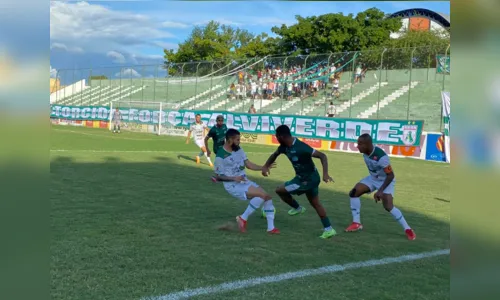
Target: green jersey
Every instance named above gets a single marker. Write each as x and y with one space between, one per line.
300 155
218 135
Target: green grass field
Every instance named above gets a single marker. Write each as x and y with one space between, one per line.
133 216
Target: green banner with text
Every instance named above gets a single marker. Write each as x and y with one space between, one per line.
389 132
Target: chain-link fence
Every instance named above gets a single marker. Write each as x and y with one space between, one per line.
378 84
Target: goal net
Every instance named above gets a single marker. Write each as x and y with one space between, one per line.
139 116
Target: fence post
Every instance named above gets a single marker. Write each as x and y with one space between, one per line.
182 75
90 85
154 83
380 80
409 84
196 83
142 83
352 81
444 73
211 86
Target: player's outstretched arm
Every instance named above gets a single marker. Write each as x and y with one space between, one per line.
207 137
255 167
324 162
270 163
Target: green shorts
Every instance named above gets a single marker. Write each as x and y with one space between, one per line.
299 186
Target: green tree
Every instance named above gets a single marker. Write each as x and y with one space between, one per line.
213 42
337 33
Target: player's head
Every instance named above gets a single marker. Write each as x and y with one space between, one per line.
117 109
198 118
365 144
233 139
283 134
219 121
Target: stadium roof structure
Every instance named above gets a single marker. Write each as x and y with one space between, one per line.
442 19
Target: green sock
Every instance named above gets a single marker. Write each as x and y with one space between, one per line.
326 223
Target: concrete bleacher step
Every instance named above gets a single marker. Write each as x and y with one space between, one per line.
243 103
360 97
314 105
123 95
387 100
288 104
193 98
200 104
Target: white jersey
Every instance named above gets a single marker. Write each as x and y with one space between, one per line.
378 164
230 164
198 131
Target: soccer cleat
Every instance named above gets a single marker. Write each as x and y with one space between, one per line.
300 210
410 234
328 234
354 227
242 224
274 231
197 159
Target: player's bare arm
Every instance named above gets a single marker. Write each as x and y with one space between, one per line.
270 162
255 167
230 178
390 177
324 163
188 137
207 137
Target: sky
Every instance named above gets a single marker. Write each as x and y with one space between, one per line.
97 34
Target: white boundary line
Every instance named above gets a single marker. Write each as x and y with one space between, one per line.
139 151
241 284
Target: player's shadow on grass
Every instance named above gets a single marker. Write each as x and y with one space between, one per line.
163 216
185 157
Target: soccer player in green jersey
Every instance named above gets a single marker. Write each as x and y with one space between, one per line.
306 180
381 179
218 134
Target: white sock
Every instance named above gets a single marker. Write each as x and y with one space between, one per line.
208 157
269 210
398 215
356 210
254 204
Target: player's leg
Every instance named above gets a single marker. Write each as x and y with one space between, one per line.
361 188
313 197
114 127
388 202
256 192
285 193
204 153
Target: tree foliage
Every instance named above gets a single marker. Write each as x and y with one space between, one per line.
328 33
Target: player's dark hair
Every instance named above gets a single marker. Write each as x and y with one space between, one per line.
366 136
219 117
232 133
197 115
283 131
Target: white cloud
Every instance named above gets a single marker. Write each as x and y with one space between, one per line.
97 28
66 48
140 58
116 56
129 72
222 21
170 24
53 72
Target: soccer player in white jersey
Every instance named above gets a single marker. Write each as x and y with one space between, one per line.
381 179
117 117
198 128
230 164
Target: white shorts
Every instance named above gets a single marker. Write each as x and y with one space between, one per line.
200 143
374 185
239 189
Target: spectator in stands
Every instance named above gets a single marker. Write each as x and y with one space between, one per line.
331 110
252 110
